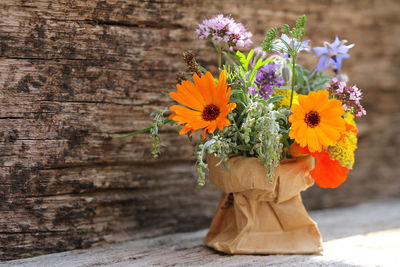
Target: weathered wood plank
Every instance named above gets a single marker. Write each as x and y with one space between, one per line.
75 73
354 236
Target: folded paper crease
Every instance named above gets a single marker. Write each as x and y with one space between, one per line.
255 216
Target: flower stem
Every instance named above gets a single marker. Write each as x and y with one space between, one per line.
219 59
142 130
293 78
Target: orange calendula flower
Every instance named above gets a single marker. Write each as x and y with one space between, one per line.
205 104
317 121
328 173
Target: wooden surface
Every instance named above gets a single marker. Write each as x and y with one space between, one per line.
75 73
354 236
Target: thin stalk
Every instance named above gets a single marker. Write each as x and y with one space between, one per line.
293 78
145 130
219 58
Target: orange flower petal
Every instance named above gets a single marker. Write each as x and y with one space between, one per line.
202 87
212 127
183 113
204 133
187 100
184 130
327 173
221 89
211 86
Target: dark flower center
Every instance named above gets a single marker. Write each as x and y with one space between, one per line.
312 119
210 112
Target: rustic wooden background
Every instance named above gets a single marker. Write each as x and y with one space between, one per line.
75 73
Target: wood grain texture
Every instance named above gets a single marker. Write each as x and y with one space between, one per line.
348 241
75 73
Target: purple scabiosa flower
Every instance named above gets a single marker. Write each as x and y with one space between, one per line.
350 96
281 47
224 29
266 80
332 54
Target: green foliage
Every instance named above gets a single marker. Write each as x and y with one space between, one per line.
301 21
298 32
260 132
285 29
158 121
242 72
257 132
267 43
245 60
307 81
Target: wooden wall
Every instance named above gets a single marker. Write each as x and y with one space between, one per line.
75 73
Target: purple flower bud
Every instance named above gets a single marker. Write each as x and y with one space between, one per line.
266 81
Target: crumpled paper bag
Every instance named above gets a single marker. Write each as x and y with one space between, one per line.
258 217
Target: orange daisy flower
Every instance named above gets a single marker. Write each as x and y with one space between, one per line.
317 121
205 104
328 173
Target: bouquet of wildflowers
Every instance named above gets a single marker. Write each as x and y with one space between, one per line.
266 105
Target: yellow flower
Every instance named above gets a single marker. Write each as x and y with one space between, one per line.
285 102
349 119
317 121
204 104
343 151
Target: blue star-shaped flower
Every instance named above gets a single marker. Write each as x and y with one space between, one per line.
332 54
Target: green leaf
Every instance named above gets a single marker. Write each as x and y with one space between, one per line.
249 56
224 165
235 91
238 101
279 115
261 63
202 68
242 59
274 99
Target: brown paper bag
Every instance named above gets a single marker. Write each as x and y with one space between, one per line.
258 217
